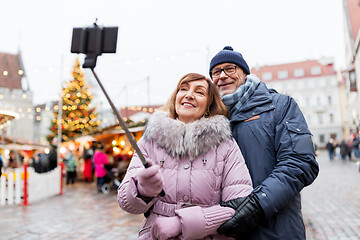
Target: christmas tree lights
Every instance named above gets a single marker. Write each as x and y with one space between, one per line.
77 117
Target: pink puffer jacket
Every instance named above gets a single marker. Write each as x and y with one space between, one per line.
201 165
100 159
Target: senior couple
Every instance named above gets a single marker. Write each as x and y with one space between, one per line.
222 182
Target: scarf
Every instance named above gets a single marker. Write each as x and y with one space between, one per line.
234 101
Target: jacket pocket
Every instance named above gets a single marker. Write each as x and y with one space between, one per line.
301 141
145 229
144 232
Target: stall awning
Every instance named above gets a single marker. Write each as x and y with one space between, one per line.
14 146
6 116
107 134
85 138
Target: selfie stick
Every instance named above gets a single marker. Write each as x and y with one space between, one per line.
94 41
123 126
122 123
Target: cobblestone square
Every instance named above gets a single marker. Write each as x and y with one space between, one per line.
331 209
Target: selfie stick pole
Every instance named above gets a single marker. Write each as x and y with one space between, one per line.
123 126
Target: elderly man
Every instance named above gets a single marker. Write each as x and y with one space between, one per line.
276 143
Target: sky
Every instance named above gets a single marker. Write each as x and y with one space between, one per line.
159 41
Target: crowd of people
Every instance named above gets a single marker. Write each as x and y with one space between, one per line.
38 159
344 149
89 164
12 160
93 163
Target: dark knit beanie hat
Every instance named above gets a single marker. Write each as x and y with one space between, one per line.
228 55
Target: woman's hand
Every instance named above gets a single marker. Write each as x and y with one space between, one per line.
166 228
150 181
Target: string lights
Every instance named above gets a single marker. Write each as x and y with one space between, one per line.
37 112
117 62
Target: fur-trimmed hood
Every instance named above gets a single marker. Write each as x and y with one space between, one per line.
191 140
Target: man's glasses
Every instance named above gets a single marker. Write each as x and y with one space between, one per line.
229 70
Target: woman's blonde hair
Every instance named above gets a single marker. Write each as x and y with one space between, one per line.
214 104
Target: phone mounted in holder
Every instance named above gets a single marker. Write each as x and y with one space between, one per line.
94 41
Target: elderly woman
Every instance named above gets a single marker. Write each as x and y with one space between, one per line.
194 159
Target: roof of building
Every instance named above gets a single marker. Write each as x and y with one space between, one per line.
11 71
326 66
353 12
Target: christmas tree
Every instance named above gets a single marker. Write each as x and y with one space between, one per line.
77 117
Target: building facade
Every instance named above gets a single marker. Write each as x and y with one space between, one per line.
315 87
16 98
44 114
351 10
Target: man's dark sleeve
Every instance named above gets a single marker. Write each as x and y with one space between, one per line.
296 166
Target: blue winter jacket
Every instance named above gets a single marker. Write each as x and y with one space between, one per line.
276 143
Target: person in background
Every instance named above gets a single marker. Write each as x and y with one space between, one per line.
123 164
1 165
110 156
351 148
92 150
344 149
21 158
276 143
36 163
87 173
316 149
12 160
100 160
44 162
330 148
71 165
355 144
337 154
52 156
194 159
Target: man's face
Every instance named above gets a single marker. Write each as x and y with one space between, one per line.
230 78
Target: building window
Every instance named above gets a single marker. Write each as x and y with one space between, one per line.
267 76
320 118
282 74
321 138
329 100
317 84
318 101
331 117
328 82
299 72
306 84
315 70
352 79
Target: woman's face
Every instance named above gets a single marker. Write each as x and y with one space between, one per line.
191 100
